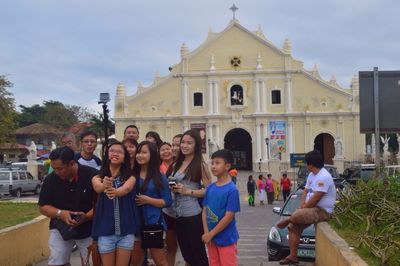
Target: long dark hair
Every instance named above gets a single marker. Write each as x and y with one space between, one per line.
124 171
153 168
193 171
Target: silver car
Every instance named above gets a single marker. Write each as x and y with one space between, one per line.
15 181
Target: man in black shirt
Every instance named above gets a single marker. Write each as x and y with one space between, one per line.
67 195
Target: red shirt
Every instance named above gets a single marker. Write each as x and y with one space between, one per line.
285 183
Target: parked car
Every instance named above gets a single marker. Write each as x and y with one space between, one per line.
277 243
15 181
303 172
360 172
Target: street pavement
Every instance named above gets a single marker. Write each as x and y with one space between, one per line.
253 224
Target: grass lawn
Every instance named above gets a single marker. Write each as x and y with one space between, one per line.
16 213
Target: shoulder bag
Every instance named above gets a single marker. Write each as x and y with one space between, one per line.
151 234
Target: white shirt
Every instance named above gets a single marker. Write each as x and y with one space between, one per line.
322 182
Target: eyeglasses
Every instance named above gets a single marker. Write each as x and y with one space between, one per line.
116 151
89 141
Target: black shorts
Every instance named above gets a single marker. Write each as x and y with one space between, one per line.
170 221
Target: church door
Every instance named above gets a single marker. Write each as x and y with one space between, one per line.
324 143
239 142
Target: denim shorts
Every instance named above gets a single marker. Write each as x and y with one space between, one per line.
108 244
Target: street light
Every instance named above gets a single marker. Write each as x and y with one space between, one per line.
104 99
267 143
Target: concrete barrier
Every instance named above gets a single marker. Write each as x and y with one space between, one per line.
26 243
332 250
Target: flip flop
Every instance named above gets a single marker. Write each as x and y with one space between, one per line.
287 261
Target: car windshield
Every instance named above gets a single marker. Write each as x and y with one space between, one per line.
292 204
4 176
367 173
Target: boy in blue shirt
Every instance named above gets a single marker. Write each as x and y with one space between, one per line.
220 204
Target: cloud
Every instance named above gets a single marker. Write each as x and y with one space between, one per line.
72 50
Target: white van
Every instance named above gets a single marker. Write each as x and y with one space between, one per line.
15 181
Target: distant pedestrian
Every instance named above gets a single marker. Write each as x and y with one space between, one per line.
220 205
276 188
251 188
270 189
286 186
66 198
261 189
233 173
316 205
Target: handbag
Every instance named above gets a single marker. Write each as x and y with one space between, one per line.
67 232
151 234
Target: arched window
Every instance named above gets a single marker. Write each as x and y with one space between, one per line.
197 99
236 95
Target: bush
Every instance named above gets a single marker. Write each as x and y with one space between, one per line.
368 217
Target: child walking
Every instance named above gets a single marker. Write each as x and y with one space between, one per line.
251 189
220 204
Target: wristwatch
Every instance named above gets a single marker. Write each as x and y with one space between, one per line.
58 214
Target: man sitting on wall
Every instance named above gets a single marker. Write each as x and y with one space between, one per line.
316 204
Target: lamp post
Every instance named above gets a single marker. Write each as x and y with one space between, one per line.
104 99
267 143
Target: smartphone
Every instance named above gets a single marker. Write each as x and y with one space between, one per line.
172 181
76 217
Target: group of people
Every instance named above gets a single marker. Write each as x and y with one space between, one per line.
139 192
268 188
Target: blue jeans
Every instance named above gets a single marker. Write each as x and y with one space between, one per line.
108 244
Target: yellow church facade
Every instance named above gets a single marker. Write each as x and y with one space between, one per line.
251 97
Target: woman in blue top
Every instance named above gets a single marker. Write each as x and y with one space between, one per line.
115 222
154 194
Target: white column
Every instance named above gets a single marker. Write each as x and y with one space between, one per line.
288 90
263 97
216 98
210 98
258 142
217 136
185 98
290 136
257 95
209 132
263 145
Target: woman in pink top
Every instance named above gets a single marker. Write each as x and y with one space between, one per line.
270 189
165 156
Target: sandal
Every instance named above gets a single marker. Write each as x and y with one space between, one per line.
287 261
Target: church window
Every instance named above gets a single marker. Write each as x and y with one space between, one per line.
276 97
198 99
236 95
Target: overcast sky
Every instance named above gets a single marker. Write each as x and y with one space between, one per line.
70 50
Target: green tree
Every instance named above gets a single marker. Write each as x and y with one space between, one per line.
31 115
58 115
98 125
8 115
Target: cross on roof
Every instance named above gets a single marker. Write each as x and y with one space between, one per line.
234 9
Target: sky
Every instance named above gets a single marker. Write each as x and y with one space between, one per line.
70 50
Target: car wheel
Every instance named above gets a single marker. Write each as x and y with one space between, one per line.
37 190
18 193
